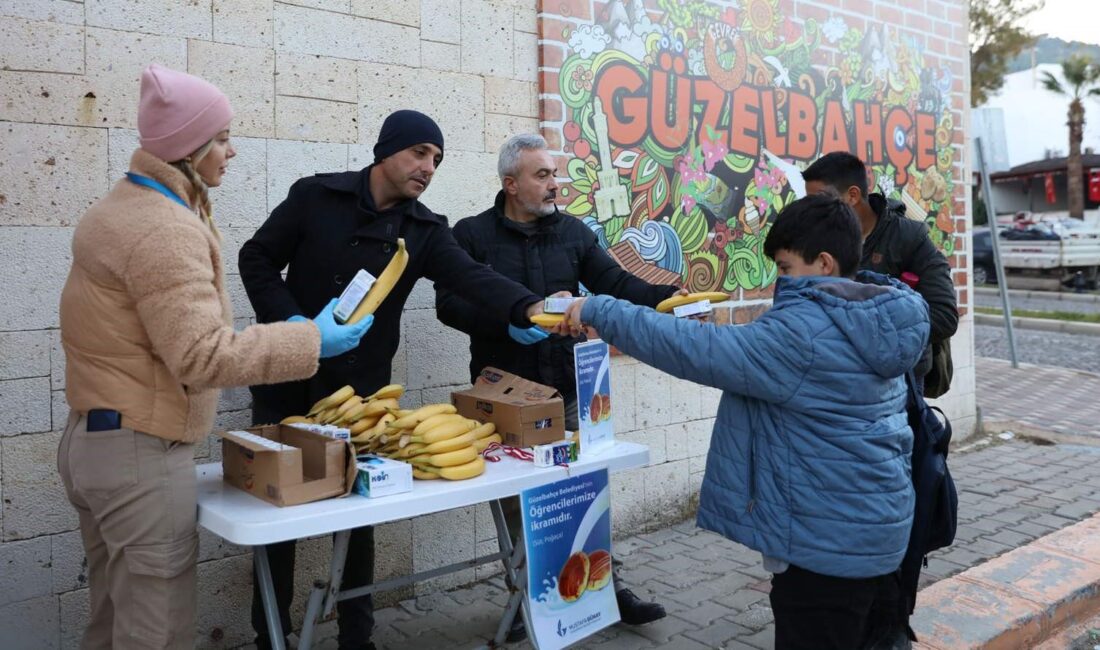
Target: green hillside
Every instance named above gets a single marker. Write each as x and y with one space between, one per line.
1052 50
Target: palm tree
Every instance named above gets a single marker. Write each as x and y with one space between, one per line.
1081 78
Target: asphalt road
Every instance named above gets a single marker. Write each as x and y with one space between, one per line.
1078 351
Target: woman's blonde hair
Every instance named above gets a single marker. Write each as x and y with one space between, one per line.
200 194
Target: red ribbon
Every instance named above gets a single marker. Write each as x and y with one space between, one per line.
514 452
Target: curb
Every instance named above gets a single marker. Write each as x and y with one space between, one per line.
1018 599
1042 324
1027 294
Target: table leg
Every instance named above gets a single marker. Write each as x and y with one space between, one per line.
313 610
516 578
336 571
267 595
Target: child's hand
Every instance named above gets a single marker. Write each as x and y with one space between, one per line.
572 321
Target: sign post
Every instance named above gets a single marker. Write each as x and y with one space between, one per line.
567 533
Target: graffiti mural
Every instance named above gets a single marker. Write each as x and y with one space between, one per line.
686 123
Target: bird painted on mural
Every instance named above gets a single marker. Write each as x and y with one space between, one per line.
793 173
782 77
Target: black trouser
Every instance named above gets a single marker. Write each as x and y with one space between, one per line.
356 615
819 612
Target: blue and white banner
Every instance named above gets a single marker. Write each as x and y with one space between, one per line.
567 532
592 361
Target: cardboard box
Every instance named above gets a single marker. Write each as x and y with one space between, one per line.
380 477
526 413
286 465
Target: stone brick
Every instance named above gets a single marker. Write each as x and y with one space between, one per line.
394 11
31 624
164 17
511 97
666 492
290 160
652 401
526 19
448 359
49 175
62 11
24 405
59 410
498 128
455 101
241 200
318 77
628 512
494 48
441 20
25 566
77 606
224 591
464 185
34 500
115 60
245 22
622 385
298 29
441 56
41 46
686 397
678 441
34 263
301 118
244 74
526 56
68 566
442 539
24 354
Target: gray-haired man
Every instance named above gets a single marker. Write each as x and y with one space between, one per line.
524 238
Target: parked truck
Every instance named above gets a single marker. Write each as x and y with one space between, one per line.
1065 252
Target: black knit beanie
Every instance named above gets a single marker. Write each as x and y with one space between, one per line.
404 129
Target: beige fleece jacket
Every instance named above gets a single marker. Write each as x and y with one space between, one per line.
146 323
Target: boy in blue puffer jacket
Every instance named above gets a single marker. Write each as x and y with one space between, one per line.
809 457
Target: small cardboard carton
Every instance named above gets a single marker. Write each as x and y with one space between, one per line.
286 465
381 477
525 413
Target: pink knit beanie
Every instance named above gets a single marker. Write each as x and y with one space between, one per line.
178 112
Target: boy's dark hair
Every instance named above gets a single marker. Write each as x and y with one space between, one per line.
839 169
815 224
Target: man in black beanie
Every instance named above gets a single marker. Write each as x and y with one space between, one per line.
329 227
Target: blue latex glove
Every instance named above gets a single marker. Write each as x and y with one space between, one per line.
336 339
528 336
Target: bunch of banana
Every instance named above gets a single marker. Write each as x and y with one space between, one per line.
366 417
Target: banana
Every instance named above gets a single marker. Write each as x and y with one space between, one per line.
485 430
424 476
475 467
391 391
444 431
459 456
448 444
423 413
435 421
379 406
400 413
482 443
335 399
383 285
349 404
411 450
362 425
327 416
668 304
380 426
296 419
547 320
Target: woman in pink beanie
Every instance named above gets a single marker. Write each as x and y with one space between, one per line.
149 340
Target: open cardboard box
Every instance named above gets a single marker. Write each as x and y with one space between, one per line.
525 413
311 468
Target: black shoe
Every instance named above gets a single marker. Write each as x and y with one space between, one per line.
635 611
517 632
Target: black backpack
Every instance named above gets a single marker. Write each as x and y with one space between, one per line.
935 514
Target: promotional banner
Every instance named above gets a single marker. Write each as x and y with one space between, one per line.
592 362
567 533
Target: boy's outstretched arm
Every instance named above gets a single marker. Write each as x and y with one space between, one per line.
765 360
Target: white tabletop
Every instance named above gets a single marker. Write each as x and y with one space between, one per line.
243 519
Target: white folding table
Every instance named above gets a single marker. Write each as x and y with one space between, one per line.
245 520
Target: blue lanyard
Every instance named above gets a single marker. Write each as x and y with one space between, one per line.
138 179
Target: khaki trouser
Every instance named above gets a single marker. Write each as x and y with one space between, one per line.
136 496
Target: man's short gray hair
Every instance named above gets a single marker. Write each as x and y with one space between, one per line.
508 162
